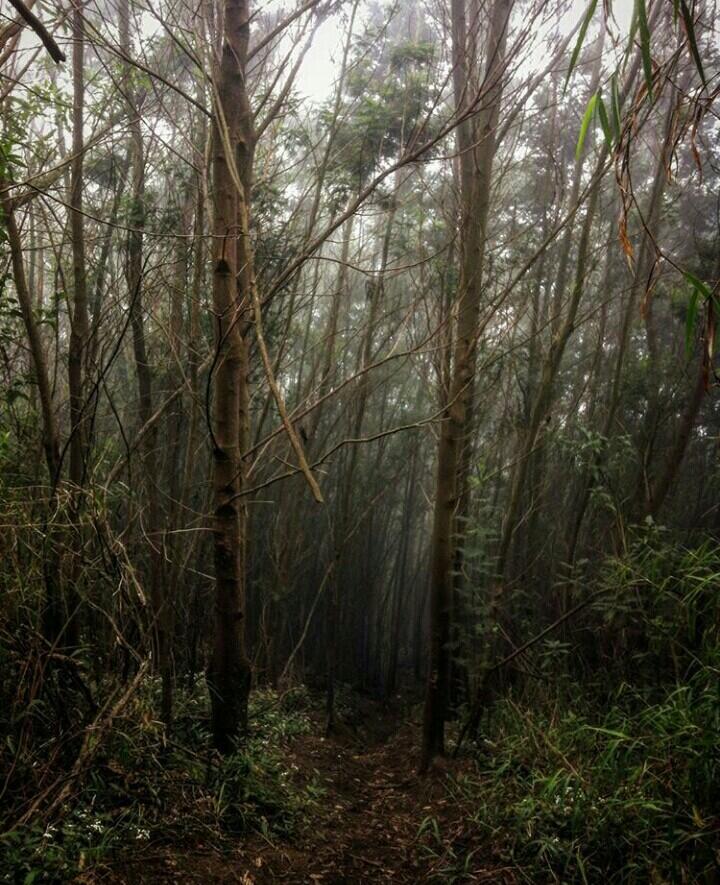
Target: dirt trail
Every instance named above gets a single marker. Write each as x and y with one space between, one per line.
367 826
372 810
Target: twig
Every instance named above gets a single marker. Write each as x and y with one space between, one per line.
88 749
277 395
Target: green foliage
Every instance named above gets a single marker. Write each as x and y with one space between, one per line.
584 125
700 294
601 458
641 13
609 772
146 789
405 55
58 852
587 18
387 98
692 40
449 862
604 121
256 787
572 795
661 608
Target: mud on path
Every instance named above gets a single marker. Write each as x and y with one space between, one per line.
373 823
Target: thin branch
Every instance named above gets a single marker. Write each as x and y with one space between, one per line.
34 22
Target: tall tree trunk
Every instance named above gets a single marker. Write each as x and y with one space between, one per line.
376 292
477 147
135 284
51 444
562 328
79 323
54 615
640 274
229 674
661 485
400 578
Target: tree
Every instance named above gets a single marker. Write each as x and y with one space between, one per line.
229 674
476 148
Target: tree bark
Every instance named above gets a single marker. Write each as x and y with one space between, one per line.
143 370
477 146
229 674
79 322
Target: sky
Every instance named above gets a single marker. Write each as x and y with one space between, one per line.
317 74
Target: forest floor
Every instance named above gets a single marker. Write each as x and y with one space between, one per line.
375 820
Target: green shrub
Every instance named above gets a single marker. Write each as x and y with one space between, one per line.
620 797
145 787
582 781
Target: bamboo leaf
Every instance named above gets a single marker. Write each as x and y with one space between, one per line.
604 122
581 39
690 31
645 43
615 103
700 291
587 117
697 284
633 31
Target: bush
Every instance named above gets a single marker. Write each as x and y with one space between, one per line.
148 789
587 782
569 796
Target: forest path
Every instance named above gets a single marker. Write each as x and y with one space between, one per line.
367 826
371 812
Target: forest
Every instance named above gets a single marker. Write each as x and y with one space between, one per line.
359 435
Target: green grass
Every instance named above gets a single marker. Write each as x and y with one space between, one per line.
568 796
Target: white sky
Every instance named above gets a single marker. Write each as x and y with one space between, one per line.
317 74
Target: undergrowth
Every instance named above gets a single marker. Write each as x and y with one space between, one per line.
578 780
565 795
148 790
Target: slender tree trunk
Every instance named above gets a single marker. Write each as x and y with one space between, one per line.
562 328
229 674
55 616
653 419
347 498
50 437
477 146
641 271
327 357
135 284
195 298
662 485
79 323
400 582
